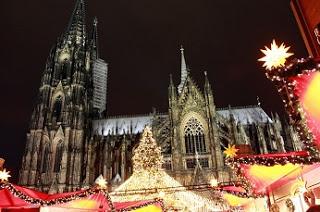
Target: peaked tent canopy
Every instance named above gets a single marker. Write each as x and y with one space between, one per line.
21 198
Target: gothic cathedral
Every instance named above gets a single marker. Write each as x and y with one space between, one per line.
70 142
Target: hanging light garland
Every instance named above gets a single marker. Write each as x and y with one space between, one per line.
284 76
62 200
83 194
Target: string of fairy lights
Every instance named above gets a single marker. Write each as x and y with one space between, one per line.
201 187
149 163
61 200
283 76
81 195
99 188
96 190
147 156
149 181
285 83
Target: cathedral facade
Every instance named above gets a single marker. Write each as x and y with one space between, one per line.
70 142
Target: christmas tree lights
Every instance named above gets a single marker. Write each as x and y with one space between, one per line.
150 181
147 156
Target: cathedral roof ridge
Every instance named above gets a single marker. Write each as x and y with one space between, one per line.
129 116
162 113
135 115
245 114
238 107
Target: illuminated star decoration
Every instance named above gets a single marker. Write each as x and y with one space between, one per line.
4 175
101 182
231 151
276 56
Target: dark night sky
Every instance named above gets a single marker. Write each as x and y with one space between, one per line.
140 40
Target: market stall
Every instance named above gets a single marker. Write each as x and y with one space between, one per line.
95 198
288 179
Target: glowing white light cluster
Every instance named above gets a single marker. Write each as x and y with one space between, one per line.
150 181
275 56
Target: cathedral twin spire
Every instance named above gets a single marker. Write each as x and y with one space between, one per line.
77 27
184 70
185 73
76 30
94 39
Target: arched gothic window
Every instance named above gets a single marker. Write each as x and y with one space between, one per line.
57 108
58 157
45 161
194 137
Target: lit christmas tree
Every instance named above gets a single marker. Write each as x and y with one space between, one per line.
150 181
147 156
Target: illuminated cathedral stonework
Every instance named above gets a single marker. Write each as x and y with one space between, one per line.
69 144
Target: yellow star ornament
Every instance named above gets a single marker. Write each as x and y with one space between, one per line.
231 151
4 175
275 56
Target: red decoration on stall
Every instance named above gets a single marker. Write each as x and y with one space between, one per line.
298 84
13 196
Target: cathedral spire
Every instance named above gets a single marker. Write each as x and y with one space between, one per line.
208 94
206 82
94 39
172 90
76 27
184 70
171 81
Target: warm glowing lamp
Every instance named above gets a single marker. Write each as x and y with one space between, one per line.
311 97
101 182
214 182
162 194
4 175
84 204
275 56
236 201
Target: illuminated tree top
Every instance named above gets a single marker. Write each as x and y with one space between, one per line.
147 156
149 181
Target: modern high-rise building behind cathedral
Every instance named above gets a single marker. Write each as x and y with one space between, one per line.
69 144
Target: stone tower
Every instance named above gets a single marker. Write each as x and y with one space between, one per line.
193 134
193 126
70 141
60 128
